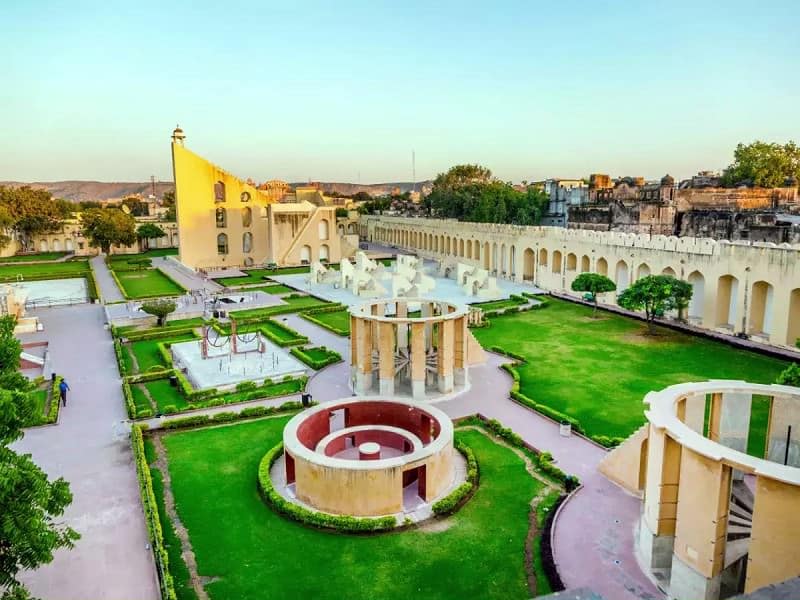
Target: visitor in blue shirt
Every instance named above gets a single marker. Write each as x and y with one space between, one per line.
63 387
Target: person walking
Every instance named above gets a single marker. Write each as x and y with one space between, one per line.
63 387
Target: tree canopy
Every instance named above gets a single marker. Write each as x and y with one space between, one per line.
159 308
28 211
29 502
469 193
593 284
655 294
764 164
105 227
149 231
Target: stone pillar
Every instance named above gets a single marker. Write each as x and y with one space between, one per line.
364 345
657 526
460 351
426 310
444 368
353 350
773 539
784 413
702 526
402 328
386 358
417 356
715 417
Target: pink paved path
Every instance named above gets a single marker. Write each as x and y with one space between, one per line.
594 534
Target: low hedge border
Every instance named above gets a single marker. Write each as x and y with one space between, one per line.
547 411
309 315
88 274
145 296
150 508
54 402
272 311
251 412
332 357
312 518
156 333
546 548
123 371
296 338
459 496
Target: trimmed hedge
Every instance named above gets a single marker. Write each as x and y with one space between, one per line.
455 499
332 357
120 360
55 404
157 332
251 412
271 311
150 507
309 517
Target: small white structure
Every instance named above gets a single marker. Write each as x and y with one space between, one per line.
477 282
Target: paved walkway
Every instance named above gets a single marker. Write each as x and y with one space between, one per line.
112 559
106 286
186 277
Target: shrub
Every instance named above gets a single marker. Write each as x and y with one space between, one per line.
245 386
330 358
310 517
458 496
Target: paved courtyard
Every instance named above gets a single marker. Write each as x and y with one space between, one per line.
112 559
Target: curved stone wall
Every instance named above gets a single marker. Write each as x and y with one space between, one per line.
418 356
356 457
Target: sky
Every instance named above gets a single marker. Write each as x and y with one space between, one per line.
344 91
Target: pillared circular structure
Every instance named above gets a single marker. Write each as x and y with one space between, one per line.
413 347
369 456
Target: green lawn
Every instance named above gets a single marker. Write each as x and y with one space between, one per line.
499 304
176 324
598 370
147 283
42 256
317 353
163 394
122 259
254 553
42 406
259 275
140 400
147 354
298 303
59 270
339 319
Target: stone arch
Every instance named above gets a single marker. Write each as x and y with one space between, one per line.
621 275
528 264
793 327
557 259
669 271
572 261
43 246
247 242
222 243
642 271
698 283
602 266
340 228
486 256
461 247
221 217
761 301
324 253
68 245
727 293
247 216
503 259
305 255
351 228
476 249
219 192
586 264
447 245
543 257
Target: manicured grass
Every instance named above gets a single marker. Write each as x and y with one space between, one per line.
476 553
339 319
164 395
275 289
147 283
140 400
59 270
40 413
500 304
42 256
317 353
147 354
259 275
176 324
296 304
599 370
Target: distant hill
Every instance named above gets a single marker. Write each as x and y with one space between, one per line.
107 190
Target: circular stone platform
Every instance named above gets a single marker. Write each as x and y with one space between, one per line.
369 457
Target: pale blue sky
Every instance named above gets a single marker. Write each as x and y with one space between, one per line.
337 90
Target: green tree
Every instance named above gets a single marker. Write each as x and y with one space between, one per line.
148 231
27 212
341 212
29 502
764 164
159 308
168 198
682 297
593 284
655 294
108 226
790 375
137 207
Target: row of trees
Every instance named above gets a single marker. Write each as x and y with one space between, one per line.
764 164
30 503
471 193
654 294
27 212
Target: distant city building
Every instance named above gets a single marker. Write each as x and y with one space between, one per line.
563 193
